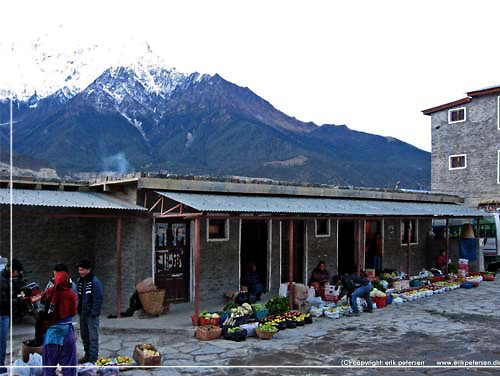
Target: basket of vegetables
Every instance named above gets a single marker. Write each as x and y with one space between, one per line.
208 333
266 331
236 334
239 316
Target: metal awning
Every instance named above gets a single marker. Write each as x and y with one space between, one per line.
307 205
62 199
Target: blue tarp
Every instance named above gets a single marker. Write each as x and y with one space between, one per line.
468 249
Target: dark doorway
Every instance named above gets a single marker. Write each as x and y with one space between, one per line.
372 242
346 247
172 261
298 252
254 239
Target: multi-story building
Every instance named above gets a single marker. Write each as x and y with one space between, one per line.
466 148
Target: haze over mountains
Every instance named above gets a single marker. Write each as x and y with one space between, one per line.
144 116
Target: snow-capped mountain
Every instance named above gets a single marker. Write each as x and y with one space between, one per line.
92 109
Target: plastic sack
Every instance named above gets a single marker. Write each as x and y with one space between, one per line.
283 290
311 293
250 328
108 371
315 301
88 369
36 364
316 311
17 370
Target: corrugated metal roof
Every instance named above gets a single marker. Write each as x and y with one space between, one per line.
307 205
64 199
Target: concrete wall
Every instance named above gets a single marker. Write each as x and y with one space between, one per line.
321 248
395 255
479 138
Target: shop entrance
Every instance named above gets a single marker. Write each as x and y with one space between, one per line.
298 252
373 243
172 260
346 247
254 237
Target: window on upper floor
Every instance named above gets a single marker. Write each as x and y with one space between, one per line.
322 228
413 223
456 115
498 112
498 167
458 161
218 229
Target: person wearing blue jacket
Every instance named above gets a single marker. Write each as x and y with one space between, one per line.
89 290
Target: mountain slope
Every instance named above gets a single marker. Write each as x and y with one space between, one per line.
151 118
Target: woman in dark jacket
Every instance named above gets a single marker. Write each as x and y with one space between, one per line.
252 281
319 277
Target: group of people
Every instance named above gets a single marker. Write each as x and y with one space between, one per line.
353 286
60 303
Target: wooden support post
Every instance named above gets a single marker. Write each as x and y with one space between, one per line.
478 245
359 248
408 239
447 243
290 264
119 268
197 267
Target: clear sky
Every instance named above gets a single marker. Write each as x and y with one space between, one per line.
372 65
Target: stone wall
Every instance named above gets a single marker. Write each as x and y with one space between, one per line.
219 263
321 248
40 242
479 138
395 255
136 258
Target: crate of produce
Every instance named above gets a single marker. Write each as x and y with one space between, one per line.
208 333
147 355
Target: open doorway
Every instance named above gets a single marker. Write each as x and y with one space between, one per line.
298 252
346 247
254 238
373 245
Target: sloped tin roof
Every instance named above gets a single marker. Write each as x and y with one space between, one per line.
62 199
308 205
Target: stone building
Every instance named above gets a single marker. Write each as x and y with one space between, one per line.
466 147
196 236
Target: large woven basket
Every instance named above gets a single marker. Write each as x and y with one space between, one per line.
208 333
263 334
152 301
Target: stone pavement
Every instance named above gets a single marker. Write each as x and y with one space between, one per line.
463 324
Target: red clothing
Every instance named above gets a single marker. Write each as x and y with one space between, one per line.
63 301
440 262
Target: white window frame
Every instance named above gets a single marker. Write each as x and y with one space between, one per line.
457 168
498 112
498 167
226 229
457 109
416 232
328 227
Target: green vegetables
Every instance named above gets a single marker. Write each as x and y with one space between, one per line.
258 307
267 327
230 305
378 285
452 269
278 306
234 330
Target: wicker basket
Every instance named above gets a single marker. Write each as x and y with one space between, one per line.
27 350
142 360
152 301
263 334
208 333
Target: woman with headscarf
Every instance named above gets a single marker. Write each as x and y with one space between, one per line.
59 344
319 277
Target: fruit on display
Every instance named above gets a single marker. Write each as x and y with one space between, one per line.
267 327
123 360
104 361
